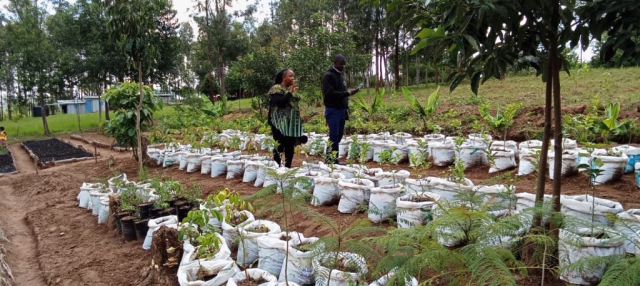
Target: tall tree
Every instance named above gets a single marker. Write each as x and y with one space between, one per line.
133 23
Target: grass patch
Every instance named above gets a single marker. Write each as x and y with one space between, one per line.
29 128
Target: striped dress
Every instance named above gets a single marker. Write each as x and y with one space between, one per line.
284 112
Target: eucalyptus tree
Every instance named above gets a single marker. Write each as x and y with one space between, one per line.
133 24
34 54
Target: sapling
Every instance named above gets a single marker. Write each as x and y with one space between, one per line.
291 199
457 170
503 119
609 126
593 171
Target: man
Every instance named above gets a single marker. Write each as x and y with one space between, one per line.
336 101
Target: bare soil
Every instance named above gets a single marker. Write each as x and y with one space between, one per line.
54 242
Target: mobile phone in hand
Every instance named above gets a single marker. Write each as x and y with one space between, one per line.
360 85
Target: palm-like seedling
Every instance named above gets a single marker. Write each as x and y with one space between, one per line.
424 111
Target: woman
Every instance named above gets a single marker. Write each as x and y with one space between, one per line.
284 116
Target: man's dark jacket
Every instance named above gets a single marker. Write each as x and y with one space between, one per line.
334 90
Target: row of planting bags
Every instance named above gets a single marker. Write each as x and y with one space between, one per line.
277 255
95 197
404 147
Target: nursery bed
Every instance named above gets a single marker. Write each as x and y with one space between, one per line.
6 164
54 151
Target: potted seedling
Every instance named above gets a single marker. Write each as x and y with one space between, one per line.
129 201
236 213
424 111
580 247
503 159
613 162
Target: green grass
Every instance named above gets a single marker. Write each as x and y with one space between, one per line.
31 127
612 85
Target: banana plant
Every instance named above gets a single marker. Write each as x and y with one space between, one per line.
424 111
375 106
609 125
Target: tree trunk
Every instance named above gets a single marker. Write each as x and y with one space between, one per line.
43 107
223 85
542 162
557 108
138 130
397 60
417 69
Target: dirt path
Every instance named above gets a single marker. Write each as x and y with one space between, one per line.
21 158
22 250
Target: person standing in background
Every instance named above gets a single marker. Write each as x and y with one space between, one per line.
336 102
284 116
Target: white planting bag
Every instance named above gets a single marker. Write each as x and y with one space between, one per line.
248 246
299 264
271 252
508 145
171 158
183 160
343 147
224 270
189 251
194 161
84 196
235 169
262 172
155 224
502 161
112 182
325 276
400 153
325 191
307 185
218 165
205 165
320 167
530 144
442 153
401 137
628 225
573 247
379 147
528 200
448 189
382 202
96 196
254 274
415 209
251 171
230 232
569 163
392 177
580 207
417 154
612 168
103 216
384 280
435 137
528 162
472 154
634 156
353 192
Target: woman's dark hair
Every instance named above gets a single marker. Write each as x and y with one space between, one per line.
280 76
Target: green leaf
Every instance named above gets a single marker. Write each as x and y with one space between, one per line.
475 82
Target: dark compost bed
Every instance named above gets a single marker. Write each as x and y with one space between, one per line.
52 150
6 164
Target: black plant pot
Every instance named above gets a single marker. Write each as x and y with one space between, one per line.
118 217
183 211
172 202
145 210
142 227
155 212
167 212
180 203
128 228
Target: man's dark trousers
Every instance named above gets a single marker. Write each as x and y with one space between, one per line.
336 119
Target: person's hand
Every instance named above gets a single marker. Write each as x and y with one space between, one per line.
354 91
293 88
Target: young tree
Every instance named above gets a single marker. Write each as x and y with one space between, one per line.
132 24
